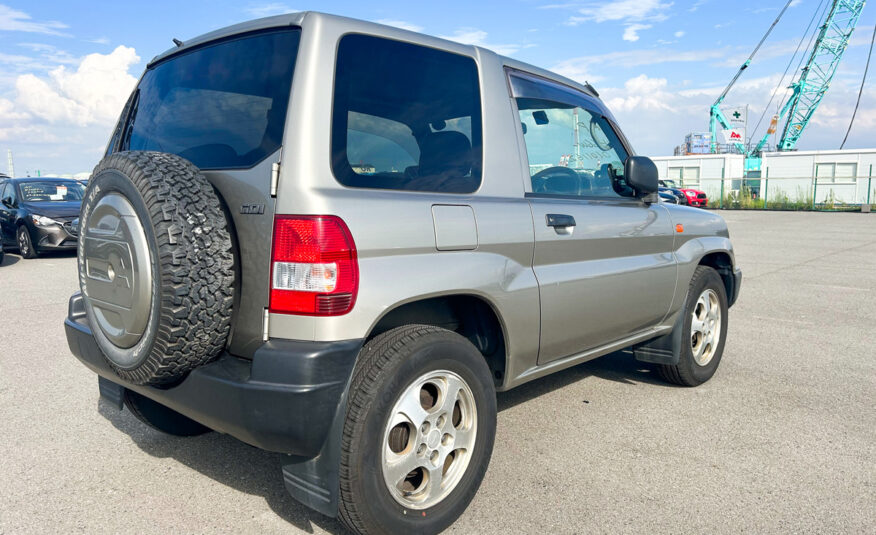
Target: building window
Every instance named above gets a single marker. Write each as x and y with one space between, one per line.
684 176
836 172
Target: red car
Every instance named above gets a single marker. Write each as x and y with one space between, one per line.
692 197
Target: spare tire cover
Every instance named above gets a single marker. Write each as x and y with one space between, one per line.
156 266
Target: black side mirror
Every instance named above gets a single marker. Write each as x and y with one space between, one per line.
7 202
641 174
540 117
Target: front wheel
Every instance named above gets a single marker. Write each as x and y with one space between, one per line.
25 244
704 330
421 420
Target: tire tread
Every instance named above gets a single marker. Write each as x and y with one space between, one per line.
195 260
676 373
373 362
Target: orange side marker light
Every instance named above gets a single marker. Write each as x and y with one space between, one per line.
679 228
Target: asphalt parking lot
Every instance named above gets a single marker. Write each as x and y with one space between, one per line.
781 440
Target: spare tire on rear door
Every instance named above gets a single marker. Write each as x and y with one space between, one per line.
156 266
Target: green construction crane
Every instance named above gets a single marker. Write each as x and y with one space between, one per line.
809 88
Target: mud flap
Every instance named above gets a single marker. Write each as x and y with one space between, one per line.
663 350
111 392
315 482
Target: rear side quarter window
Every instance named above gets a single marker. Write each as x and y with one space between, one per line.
405 117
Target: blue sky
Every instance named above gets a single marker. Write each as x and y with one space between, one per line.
66 67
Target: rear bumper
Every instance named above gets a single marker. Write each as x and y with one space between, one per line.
284 400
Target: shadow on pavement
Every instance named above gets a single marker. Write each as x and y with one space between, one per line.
620 366
247 469
9 259
228 461
14 258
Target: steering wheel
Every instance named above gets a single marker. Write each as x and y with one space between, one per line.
540 179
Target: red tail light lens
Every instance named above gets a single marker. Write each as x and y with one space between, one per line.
314 270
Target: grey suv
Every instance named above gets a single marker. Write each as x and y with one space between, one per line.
337 240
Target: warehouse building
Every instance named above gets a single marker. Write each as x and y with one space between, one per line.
839 176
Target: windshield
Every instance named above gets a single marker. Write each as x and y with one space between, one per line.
221 106
51 191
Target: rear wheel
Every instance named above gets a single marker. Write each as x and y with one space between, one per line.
419 433
25 243
161 418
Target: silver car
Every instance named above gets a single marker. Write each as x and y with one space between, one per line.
338 240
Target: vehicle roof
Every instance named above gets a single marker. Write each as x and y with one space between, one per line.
359 26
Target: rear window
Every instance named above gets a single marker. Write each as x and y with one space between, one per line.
405 117
222 106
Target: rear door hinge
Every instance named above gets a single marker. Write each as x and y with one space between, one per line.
275 178
265 323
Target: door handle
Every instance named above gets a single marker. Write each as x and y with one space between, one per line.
560 220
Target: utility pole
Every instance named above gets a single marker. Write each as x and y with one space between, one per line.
577 141
9 164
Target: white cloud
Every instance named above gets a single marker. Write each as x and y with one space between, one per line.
575 68
631 32
14 20
401 24
51 54
656 113
9 112
476 37
679 34
57 119
269 9
93 93
622 10
642 93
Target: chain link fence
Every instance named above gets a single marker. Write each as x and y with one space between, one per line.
849 194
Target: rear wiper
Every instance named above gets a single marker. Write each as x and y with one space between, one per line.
128 125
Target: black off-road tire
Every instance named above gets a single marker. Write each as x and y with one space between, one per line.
385 367
192 264
25 243
688 372
161 418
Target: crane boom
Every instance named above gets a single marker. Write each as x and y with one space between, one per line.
717 116
808 90
816 75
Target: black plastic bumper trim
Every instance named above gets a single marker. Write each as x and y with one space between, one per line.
284 400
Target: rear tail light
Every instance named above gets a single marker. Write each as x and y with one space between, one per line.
314 270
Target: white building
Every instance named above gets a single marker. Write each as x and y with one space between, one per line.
844 176
705 172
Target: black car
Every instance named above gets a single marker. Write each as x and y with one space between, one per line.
40 214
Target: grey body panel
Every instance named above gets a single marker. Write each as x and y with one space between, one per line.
250 187
610 276
413 246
